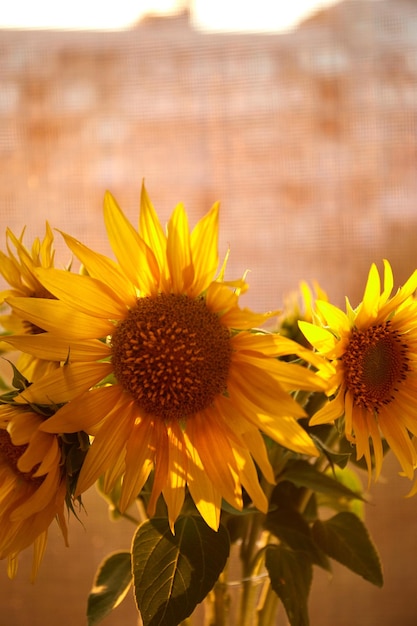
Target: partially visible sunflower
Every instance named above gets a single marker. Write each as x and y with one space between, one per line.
18 268
192 384
299 305
373 353
33 485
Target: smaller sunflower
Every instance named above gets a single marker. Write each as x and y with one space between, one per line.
299 305
18 268
373 353
33 485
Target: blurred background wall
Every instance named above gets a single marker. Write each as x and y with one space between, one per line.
308 138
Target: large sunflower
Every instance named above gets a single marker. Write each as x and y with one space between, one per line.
33 485
373 352
18 268
189 384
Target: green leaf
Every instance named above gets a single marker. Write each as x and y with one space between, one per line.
291 573
291 527
303 474
345 538
350 479
340 459
111 585
173 573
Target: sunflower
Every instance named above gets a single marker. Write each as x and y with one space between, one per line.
182 385
18 268
299 305
373 382
33 486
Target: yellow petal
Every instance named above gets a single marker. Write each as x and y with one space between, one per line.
320 338
249 478
179 251
139 462
174 492
388 282
22 425
150 229
108 446
204 494
330 412
134 255
216 455
161 447
65 383
204 248
335 317
276 424
85 412
368 309
55 316
247 383
47 346
104 269
83 293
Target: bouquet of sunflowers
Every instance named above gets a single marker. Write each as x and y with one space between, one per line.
231 439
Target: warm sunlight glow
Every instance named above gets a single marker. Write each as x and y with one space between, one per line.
262 15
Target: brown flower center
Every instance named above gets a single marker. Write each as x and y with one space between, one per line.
376 361
11 454
172 354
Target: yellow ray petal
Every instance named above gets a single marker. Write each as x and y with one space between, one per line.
399 441
216 456
55 316
139 462
249 478
388 282
42 449
174 492
47 346
335 317
150 229
330 412
290 376
65 383
108 446
263 390
83 293
402 294
179 251
204 494
134 255
22 425
39 499
220 299
320 338
281 428
39 547
368 309
248 434
104 269
85 412
161 446
204 249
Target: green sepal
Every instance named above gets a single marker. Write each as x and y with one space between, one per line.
291 574
112 582
172 573
346 539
